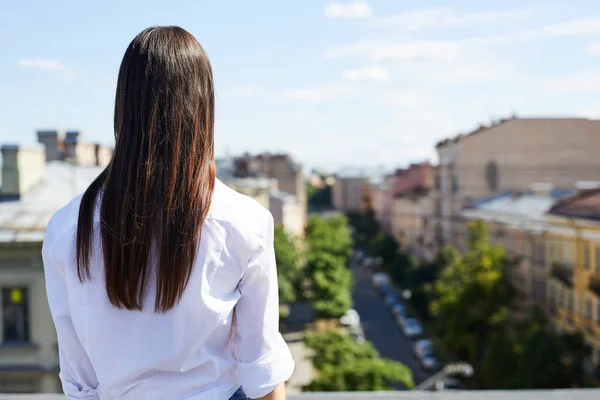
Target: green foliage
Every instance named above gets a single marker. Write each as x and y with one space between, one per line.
318 198
344 365
329 247
383 245
289 269
473 303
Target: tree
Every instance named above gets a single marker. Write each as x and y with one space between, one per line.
289 269
329 248
344 365
383 245
472 296
474 303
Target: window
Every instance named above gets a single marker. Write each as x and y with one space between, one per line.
586 255
15 314
569 255
588 308
570 300
540 253
552 294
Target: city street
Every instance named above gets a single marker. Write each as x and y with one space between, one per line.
380 327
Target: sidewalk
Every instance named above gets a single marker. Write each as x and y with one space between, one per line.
298 321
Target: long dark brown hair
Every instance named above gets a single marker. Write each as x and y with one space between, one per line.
156 191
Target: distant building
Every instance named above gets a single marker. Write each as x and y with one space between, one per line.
510 154
285 207
280 167
287 211
412 210
573 259
71 146
518 222
349 190
32 190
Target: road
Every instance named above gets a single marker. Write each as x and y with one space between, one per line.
380 327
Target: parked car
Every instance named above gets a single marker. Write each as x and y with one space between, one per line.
422 347
399 310
391 299
448 384
351 318
380 279
412 328
430 362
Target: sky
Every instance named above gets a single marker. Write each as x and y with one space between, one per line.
334 83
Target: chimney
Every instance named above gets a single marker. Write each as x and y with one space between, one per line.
22 168
54 142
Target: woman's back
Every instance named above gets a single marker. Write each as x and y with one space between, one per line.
161 280
195 350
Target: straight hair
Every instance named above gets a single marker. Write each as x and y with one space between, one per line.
156 191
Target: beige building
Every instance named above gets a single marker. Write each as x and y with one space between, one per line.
287 211
71 146
348 192
32 190
413 210
510 154
281 167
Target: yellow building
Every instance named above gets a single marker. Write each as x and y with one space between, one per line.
573 258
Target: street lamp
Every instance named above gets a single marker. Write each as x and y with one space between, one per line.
449 370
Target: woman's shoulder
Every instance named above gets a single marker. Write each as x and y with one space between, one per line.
64 218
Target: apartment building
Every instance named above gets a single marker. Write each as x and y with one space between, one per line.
512 153
412 210
72 146
517 221
349 191
573 258
32 190
383 200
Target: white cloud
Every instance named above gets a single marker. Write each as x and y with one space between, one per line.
582 82
317 94
375 73
593 49
355 9
423 50
351 49
445 17
411 98
44 64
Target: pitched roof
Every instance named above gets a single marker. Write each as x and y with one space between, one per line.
585 204
24 219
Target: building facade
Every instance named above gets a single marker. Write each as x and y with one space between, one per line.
511 154
32 190
573 257
348 192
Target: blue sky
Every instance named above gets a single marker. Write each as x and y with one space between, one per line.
345 83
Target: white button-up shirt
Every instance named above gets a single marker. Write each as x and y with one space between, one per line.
222 334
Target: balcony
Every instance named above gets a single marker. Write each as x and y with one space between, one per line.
595 284
562 272
572 394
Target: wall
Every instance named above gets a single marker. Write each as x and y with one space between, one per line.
525 151
24 268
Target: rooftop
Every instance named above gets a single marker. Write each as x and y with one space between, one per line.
585 205
573 394
510 208
24 219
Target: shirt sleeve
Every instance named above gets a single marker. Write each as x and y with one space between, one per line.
263 358
77 375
